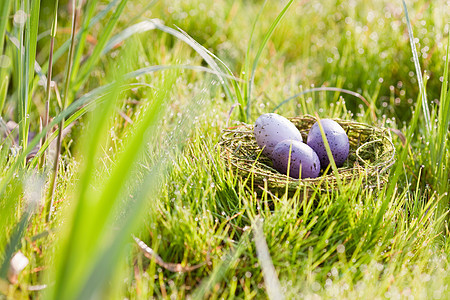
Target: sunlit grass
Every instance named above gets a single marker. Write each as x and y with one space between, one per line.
150 90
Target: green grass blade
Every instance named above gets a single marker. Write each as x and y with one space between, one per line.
330 154
260 50
8 200
49 77
247 68
66 45
320 89
426 111
5 8
22 83
84 30
27 52
395 175
71 265
3 91
14 242
94 209
143 26
102 41
444 110
202 51
32 36
271 280
207 56
67 85
110 257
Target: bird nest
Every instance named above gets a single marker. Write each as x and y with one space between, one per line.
371 155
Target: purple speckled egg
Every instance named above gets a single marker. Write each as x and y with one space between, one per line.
337 139
303 159
270 129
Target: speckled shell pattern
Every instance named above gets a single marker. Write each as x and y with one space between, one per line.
270 129
304 162
337 140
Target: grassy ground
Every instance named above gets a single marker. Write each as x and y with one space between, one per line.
144 106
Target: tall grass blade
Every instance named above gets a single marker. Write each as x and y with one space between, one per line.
32 33
444 110
71 271
27 51
5 7
37 68
14 242
22 77
66 45
209 57
399 165
329 153
3 90
32 193
8 200
271 281
426 111
260 50
95 208
247 68
110 257
104 37
84 30
203 52
327 89
49 77
49 202
140 27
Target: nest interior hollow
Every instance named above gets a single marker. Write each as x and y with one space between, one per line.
371 154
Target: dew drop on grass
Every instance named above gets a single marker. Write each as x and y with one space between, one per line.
5 61
20 17
315 286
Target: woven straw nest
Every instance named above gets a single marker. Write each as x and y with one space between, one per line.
371 155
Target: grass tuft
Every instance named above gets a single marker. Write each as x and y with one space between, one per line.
147 92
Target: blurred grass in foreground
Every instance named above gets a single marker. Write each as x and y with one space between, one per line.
145 104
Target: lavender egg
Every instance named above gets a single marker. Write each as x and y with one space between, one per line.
304 162
270 129
337 139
